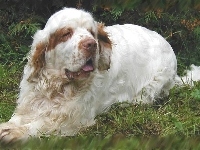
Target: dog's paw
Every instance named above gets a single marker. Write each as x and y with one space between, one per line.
10 134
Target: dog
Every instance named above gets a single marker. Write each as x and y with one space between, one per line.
77 68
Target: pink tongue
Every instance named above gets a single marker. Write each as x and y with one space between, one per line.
87 68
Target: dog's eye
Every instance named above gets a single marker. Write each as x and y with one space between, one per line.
66 35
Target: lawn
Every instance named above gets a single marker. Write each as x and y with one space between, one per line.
169 123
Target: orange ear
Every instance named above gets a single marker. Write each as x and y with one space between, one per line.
38 58
105 48
103 37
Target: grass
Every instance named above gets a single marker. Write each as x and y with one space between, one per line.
112 142
9 82
170 123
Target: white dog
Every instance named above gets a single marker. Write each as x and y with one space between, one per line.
77 68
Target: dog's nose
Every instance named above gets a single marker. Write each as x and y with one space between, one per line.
89 44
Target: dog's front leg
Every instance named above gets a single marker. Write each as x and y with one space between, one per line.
9 132
19 129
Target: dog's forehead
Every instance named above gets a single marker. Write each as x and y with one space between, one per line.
69 16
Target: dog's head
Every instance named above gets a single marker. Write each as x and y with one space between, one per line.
70 43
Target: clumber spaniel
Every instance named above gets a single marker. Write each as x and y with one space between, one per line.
77 69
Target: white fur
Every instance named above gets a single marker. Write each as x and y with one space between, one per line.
142 68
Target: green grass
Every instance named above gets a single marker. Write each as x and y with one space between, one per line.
118 142
9 82
170 123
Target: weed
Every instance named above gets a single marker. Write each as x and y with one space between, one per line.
112 14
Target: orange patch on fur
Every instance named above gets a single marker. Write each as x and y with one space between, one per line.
103 37
38 59
59 36
105 47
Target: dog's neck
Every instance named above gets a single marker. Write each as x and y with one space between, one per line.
50 84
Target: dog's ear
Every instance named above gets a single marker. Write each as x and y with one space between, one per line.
103 37
37 59
105 48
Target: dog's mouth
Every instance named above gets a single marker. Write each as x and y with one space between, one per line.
83 72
